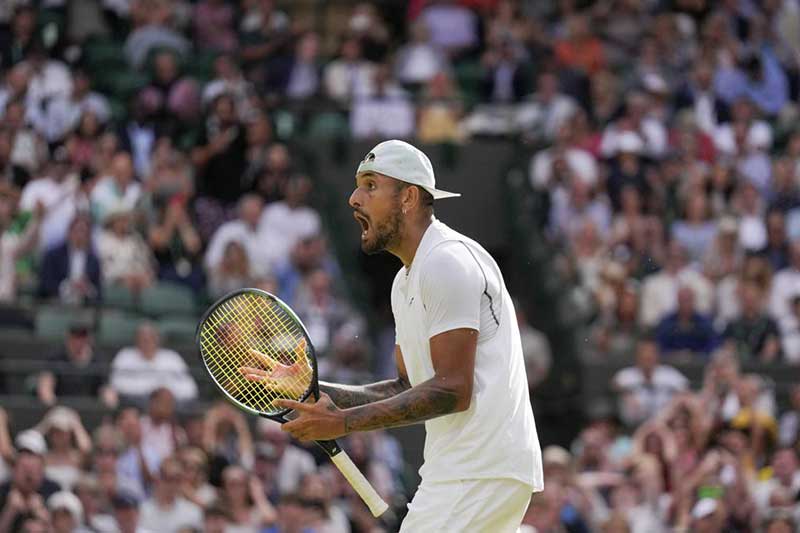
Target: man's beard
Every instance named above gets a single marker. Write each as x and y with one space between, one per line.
386 234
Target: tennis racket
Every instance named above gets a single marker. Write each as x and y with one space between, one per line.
250 330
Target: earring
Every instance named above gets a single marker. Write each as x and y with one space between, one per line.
404 211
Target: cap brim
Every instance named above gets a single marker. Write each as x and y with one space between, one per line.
441 195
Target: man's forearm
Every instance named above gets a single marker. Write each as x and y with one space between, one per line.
423 402
346 396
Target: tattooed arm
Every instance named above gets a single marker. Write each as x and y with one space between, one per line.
345 396
448 391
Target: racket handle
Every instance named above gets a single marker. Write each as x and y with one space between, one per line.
361 485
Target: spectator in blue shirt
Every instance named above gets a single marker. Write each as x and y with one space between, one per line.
686 330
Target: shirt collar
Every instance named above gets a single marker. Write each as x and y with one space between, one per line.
433 235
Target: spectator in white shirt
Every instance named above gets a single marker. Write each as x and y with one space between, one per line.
646 388
59 193
785 287
293 462
245 230
117 190
286 222
138 370
62 114
638 119
160 433
166 511
125 258
350 73
544 113
386 111
50 79
659 290
230 80
419 60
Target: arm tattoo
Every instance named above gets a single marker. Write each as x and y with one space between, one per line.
345 396
423 402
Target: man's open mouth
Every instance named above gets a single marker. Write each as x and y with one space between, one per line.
363 221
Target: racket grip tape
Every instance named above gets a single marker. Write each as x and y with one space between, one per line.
360 483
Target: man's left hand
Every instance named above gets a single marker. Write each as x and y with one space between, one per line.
321 420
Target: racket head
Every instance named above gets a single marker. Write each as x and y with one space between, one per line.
253 319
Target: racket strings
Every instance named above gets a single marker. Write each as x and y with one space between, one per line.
250 321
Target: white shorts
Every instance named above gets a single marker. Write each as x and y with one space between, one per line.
469 506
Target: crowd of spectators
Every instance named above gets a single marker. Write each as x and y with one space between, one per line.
664 142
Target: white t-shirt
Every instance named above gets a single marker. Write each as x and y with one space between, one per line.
133 375
181 514
281 227
59 199
454 283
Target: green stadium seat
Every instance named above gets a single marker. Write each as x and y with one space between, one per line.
52 323
177 330
118 328
118 297
329 125
167 299
103 55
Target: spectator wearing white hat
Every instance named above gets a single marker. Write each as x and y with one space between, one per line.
25 493
69 445
66 513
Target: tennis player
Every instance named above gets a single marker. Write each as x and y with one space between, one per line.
458 353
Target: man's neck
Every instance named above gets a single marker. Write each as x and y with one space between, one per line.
407 248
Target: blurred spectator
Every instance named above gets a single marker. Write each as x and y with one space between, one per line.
637 123
14 244
166 510
786 286
695 231
127 515
753 334
160 431
698 94
535 350
543 114
96 505
138 136
284 223
172 236
264 32
723 257
50 79
227 437
292 462
216 519
419 61
504 80
245 231
66 513
24 495
686 330
71 271
233 272
384 112
243 497
125 258
789 425
213 26
153 34
131 465
790 332
580 49
195 486
303 75
277 169
350 75
172 99
28 151
116 191
659 290
73 371
68 445
63 114
228 79
308 255
648 387
757 75
219 155
58 192
21 35
346 359
616 333
367 26
138 370
439 111
453 28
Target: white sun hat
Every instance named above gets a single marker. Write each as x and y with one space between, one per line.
401 161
